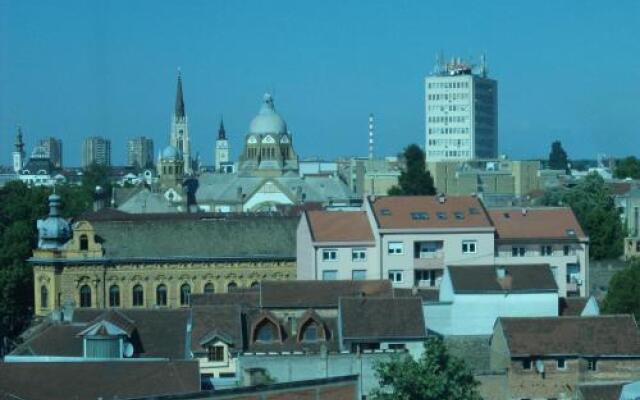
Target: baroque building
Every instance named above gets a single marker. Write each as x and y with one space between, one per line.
111 259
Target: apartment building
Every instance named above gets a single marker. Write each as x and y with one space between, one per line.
411 239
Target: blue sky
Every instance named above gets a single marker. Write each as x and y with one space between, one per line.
567 70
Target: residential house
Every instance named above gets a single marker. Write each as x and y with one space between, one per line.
550 235
472 297
549 357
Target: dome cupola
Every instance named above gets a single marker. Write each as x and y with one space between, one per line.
54 230
268 121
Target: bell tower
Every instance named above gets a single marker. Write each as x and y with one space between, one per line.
18 153
222 148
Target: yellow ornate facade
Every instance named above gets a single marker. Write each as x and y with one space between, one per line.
81 273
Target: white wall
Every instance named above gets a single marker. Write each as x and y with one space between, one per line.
344 264
305 264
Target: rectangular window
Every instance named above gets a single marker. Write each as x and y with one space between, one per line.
562 363
518 251
468 246
419 216
358 255
396 276
330 275
396 248
216 353
359 274
526 364
546 250
573 273
592 364
329 255
566 250
397 346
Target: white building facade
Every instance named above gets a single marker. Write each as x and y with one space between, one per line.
461 114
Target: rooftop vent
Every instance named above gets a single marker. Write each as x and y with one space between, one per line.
501 272
442 198
524 212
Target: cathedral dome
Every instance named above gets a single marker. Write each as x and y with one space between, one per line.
267 120
170 153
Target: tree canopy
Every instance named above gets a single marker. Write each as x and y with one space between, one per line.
624 289
628 167
437 375
558 157
592 202
414 179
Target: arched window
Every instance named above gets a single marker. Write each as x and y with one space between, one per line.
185 294
209 288
84 243
255 285
266 331
311 331
85 296
161 295
138 296
232 286
44 297
114 296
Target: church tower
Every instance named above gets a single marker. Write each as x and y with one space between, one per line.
222 148
180 129
18 153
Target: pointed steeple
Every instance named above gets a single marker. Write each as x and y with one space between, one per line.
222 134
19 142
179 112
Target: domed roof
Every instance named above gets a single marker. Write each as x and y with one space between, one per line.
267 120
54 230
171 153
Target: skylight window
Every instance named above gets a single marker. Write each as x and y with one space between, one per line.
571 232
474 211
442 215
459 215
507 215
419 216
385 211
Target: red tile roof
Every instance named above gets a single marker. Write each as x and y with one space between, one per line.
536 223
518 278
339 226
415 212
605 335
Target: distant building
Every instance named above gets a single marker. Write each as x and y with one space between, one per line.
180 129
96 150
222 162
461 113
140 152
50 148
370 176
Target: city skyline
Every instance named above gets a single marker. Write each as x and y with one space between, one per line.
329 67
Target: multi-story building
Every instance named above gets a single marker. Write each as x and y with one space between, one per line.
549 357
50 148
461 113
411 239
140 152
113 259
96 150
544 235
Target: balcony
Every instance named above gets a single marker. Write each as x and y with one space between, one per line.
428 255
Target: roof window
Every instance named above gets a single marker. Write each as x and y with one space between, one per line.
385 211
571 232
458 215
507 215
474 211
419 216
442 215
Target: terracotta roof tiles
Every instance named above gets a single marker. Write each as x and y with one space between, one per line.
339 226
534 223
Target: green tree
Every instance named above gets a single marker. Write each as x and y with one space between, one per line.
558 157
592 202
96 175
437 375
628 167
624 289
414 179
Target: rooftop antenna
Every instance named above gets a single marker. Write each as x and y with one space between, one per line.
371 127
483 65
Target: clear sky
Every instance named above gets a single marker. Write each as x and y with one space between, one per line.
567 70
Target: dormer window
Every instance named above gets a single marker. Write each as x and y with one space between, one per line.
215 353
84 243
266 332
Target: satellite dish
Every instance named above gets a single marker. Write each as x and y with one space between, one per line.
127 351
540 366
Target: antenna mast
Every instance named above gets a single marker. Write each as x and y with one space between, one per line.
371 127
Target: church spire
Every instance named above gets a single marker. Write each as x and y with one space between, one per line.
19 142
179 112
222 134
